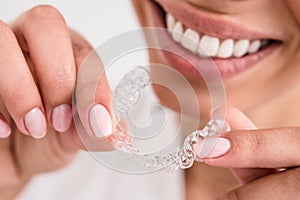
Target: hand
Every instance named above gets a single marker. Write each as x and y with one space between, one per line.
265 161
39 59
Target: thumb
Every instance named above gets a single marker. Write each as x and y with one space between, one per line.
239 121
236 118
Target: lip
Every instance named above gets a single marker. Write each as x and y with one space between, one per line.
202 22
216 25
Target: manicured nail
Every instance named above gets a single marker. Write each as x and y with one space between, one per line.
62 117
36 123
212 147
4 129
100 121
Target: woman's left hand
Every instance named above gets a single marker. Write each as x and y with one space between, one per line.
267 162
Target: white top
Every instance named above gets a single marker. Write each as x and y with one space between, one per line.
87 179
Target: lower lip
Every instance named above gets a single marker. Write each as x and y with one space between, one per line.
192 65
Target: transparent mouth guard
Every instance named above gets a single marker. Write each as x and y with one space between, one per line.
125 95
129 96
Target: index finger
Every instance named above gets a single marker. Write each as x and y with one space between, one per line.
239 121
269 148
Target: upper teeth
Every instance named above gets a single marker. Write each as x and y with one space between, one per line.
208 45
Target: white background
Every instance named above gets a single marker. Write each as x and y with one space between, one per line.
97 20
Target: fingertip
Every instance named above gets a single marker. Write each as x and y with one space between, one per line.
218 112
35 123
235 117
5 129
212 147
100 121
62 117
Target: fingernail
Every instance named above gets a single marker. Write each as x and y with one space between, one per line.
36 123
62 117
100 121
4 129
212 147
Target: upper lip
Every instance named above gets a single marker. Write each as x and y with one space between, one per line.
215 25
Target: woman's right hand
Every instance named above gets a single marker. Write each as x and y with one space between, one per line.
39 60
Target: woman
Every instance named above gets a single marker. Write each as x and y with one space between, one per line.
256 50
262 82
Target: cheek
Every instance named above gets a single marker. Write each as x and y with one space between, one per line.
182 95
167 98
294 6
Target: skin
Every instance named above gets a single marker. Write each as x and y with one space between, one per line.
278 74
261 93
48 79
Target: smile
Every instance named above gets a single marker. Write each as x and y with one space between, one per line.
205 45
234 47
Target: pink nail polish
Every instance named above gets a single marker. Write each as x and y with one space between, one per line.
36 123
4 129
100 121
62 117
212 147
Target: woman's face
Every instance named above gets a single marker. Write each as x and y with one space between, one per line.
254 43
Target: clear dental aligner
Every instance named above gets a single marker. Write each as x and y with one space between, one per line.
127 94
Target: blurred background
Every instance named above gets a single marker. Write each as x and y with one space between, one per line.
96 20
